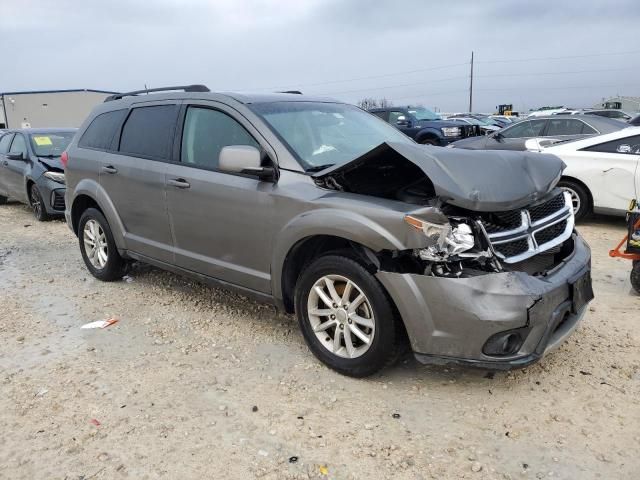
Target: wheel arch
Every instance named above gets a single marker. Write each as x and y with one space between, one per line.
428 133
569 178
89 194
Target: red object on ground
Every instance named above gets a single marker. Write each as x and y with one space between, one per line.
95 422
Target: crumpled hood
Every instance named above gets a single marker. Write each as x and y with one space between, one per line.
479 180
52 163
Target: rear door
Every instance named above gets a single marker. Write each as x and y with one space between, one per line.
15 169
221 221
613 166
133 177
5 143
563 128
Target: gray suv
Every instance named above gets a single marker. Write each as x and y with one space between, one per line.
322 209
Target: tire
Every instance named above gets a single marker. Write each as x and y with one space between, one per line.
3 200
105 263
429 141
579 196
376 311
635 276
37 204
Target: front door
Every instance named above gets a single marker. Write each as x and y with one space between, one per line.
513 138
15 169
134 178
5 143
221 222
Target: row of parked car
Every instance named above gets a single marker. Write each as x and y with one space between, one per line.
601 153
375 242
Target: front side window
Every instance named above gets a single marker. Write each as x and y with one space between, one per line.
395 116
628 146
530 128
18 145
50 144
5 141
206 133
148 132
325 134
382 115
100 133
421 113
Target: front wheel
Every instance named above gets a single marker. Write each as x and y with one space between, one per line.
346 317
579 198
429 141
3 200
98 248
37 204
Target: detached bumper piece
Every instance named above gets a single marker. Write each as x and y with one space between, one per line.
497 320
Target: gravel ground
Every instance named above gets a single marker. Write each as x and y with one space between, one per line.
195 382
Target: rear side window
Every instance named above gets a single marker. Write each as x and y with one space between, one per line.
148 132
564 126
99 134
206 133
5 141
628 146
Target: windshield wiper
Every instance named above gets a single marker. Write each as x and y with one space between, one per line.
318 168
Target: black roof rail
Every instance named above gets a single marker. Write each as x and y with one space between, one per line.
184 88
295 92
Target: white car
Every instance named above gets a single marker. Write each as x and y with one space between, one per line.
603 172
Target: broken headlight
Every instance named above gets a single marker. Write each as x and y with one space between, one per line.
447 239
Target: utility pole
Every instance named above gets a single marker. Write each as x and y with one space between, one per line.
471 86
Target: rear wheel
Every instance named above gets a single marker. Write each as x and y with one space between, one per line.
98 248
37 204
3 200
579 198
346 317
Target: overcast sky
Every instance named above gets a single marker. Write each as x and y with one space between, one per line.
410 51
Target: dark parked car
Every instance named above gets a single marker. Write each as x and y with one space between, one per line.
31 171
425 126
553 127
320 208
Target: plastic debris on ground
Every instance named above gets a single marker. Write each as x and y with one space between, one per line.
100 323
95 422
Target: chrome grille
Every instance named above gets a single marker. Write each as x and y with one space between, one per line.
520 234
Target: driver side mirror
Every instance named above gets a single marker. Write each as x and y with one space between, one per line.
244 159
402 121
16 156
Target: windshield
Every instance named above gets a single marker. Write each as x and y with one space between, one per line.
422 113
321 135
50 144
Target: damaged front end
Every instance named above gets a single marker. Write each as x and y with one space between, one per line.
502 277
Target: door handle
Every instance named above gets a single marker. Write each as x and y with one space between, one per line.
110 169
179 183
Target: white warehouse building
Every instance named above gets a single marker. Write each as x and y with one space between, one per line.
48 108
624 103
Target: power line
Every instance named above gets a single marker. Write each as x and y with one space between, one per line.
440 67
532 74
604 54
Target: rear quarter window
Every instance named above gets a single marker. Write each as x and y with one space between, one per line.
148 132
101 131
5 141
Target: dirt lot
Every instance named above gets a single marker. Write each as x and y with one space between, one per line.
195 382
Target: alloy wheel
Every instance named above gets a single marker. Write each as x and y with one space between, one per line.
36 202
95 244
341 316
575 199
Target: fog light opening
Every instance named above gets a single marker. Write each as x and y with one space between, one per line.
505 343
